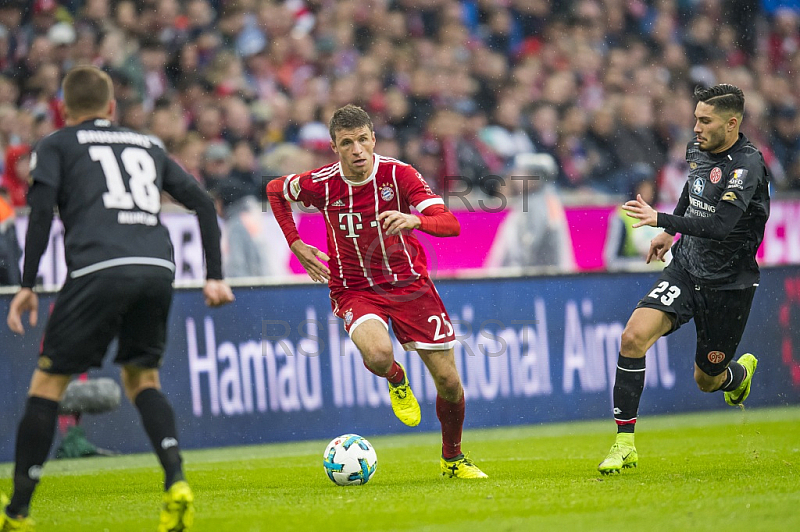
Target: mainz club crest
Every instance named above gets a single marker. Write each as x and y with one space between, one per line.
716 175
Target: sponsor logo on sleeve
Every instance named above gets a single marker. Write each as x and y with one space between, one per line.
294 187
729 196
737 179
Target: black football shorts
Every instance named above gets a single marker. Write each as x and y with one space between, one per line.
92 310
719 315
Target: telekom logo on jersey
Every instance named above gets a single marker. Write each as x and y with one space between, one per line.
352 223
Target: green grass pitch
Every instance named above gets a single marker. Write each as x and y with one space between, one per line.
715 471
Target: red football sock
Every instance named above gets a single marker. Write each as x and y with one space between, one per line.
395 375
451 416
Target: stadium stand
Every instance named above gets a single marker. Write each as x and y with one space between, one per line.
455 87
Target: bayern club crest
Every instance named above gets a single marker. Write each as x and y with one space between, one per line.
387 193
715 175
348 317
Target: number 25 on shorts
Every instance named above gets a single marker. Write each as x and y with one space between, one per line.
439 335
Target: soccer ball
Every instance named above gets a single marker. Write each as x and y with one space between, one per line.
349 460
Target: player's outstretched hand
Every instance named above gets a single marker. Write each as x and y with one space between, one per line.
26 300
217 293
659 246
396 221
643 212
310 257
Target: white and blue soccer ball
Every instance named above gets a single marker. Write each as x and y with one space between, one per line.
349 460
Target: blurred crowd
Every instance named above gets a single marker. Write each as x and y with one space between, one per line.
239 90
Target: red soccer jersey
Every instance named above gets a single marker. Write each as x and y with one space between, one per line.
362 254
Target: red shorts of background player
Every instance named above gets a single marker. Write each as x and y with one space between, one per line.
419 319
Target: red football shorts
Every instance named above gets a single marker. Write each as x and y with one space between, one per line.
419 319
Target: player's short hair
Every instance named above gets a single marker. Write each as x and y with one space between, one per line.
349 117
87 90
725 98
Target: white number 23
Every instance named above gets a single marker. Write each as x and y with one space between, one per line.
668 298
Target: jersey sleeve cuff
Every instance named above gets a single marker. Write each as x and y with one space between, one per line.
427 203
663 222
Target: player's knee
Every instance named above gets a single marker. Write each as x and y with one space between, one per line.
48 386
134 380
378 358
449 386
633 343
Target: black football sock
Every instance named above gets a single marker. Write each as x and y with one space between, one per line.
735 374
34 439
628 391
158 419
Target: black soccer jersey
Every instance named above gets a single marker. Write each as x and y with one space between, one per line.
109 182
740 177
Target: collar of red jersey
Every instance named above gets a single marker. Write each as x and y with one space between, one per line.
376 159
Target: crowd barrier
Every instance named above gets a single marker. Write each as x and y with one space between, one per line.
276 366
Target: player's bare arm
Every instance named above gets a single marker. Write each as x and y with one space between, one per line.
26 300
396 221
311 257
659 246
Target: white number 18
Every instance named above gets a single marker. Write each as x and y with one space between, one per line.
141 168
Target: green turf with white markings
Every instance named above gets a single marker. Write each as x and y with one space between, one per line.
712 471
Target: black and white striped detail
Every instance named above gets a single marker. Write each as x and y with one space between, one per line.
630 370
